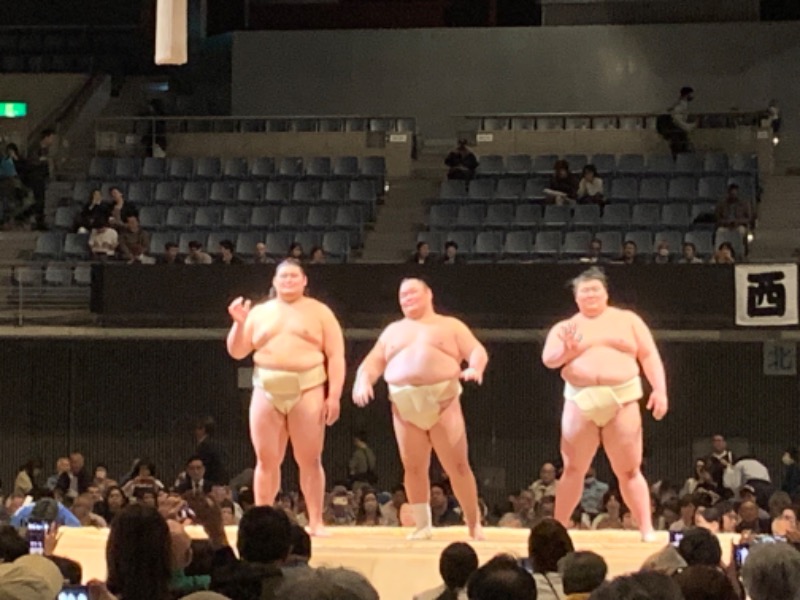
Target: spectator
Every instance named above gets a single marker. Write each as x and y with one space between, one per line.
130 235
778 501
30 577
451 255
195 480
228 510
733 213
545 508
523 513
590 188
747 470
687 508
325 584
93 210
300 553
12 544
644 585
62 466
196 254
181 557
144 478
611 518
339 509
630 254
443 511
101 479
210 451
296 251
678 132
18 197
121 210
38 174
75 481
791 472
369 511
83 507
720 518
361 468
662 256
581 574
114 502
593 492
752 520
501 578
227 256
595 252
548 543
461 162
422 255
28 478
772 572
45 508
103 240
719 449
691 483
546 484
785 524
261 257
12 504
562 188
774 119
138 257
170 256
699 546
391 510
702 582
689 255
456 564
317 256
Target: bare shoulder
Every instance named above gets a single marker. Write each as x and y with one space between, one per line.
629 316
392 329
263 308
319 308
453 323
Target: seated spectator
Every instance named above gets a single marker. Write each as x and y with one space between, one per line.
720 518
444 511
103 240
130 235
83 508
691 483
581 574
11 505
785 524
62 466
590 188
461 162
734 213
791 473
300 553
144 477
114 502
28 478
181 557
324 584
76 480
12 544
296 251
260 257
369 511
595 252
451 255
699 546
611 517
138 257
545 508
30 576
689 255
523 506
317 256
548 543
547 483
44 508
101 479
501 577
749 471
644 585
687 508
751 520
725 255
93 210
630 254
227 255
778 501
148 496
194 480
170 256
196 255
391 510
456 564
772 572
121 210
667 560
228 513
422 255
593 492
662 256
339 509
562 188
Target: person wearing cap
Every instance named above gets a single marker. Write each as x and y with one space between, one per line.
733 213
461 162
30 577
679 134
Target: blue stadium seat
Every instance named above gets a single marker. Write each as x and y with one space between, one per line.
488 244
624 190
528 215
151 217
675 215
336 245
689 164
464 239
548 243
65 217
653 190
616 215
180 167
606 164
434 239
249 192
167 192
179 217
82 275
674 240
48 245
319 217
222 192
534 189
745 164
646 215
306 192
101 167
345 167
278 243
518 164
518 244
126 168
544 163
556 216
333 191
278 192
682 189
208 167
290 167
157 241
576 243
702 241
263 217
76 246
140 192
58 274
452 189
235 168
246 243
262 168
442 216
630 164
733 238
499 216
659 164
509 189
715 163
712 189
576 162
469 217
490 165
236 217
318 166
611 242
642 239
154 168
586 215
195 192
292 218
362 192
480 190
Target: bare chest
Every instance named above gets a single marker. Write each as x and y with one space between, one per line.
421 336
286 321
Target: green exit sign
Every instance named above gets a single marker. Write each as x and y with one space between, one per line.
13 110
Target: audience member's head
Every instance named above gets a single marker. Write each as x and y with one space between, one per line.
582 572
502 578
700 547
548 543
295 250
689 251
701 582
317 256
115 499
589 172
265 535
171 251
12 546
779 501
457 562
423 249
30 577
139 554
667 560
300 545
327 584
644 585
772 572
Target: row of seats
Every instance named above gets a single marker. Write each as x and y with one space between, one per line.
213 168
624 189
582 216
712 163
363 192
53 274
554 244
75 246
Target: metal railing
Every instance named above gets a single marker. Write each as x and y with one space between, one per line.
45 293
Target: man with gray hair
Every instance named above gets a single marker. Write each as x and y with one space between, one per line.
327 584
772 572
581 574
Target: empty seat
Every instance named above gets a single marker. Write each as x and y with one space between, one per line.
488 244
576 161
548 243
208 167
712 188
101 167
126 168
642 239
158 240
715 163
333 191
278 243
509 189
673 239
534 189
528 215
611 242
318 166
586 215
702 241
543 164
373 166
319 217
65 217
744 163
349 218
140 192
469 217
278 192
58 274
262 168
180 167
154 168
518 243
263 217
82 275
236 217
48 245
464 239
76 245
305 191
291 217
442 216
675 215
518 164
653 190
235 168
480 189
630 164
291 167
345 167
616 215
452 189
307 240
222 192
362 191
605 164
688 164
576 243
151 217
249 192
624 190
682 189
732 237
207 217
27 276
82 191
490 165
556 216
179 217
195 192
645 215
246 242
167 192
499 215
336 245
659 164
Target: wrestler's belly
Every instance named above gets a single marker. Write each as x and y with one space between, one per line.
421 364
288 353
600 366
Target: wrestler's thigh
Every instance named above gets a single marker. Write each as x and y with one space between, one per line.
450 429
306 423
267 426
622 438
578 434
414 443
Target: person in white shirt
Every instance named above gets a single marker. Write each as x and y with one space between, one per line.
679 136
103 240
747 470
590 187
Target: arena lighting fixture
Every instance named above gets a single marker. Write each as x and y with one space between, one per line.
750 238
386 187
776 140
13 110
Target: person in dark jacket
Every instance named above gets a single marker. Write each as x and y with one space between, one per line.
210 451
791 474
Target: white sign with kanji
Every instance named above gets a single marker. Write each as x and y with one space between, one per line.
766 295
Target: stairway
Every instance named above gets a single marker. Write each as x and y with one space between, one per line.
777 236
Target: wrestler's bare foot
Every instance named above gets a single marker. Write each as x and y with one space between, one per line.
424 533
476 533
649 537
317 531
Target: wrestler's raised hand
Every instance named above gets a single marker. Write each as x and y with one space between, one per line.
471 374
332 409
239 309
362 392
569 336
658 404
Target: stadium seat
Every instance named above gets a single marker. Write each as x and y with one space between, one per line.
518 244
480 190
263 217
534 189
76 246
345 167
191 236
744 164
586 215
179 217
452 189
624 190
249 192
48 245
262 168
674 240
246 243
307 240
469 217
689 164
318 166
616 215
682 189
702 241
464 239
543 164
715 163
490 165
509 189
58 274
278 192
126 168
140 192
180 167
319 217
499 216
556 216
305 192
195 192
442 216
222 192
234 168
348 218
675 215
643 241
518 164
630 164
208 167
207 217
101 167
653 190
548 243
362 192
576 243
65 217
528 215
82 275
291 218
158 240
434 239
167 192
215 237
606 164
373 167
236 217
576 162
278 243
488 244
611 242
645 215
333 191
712 189
290 167
154 168
659 165
336 245
151 217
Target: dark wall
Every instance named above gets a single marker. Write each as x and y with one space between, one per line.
77 12
117 400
